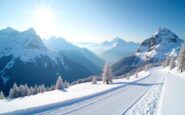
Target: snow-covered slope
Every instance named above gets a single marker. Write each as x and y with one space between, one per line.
73 94
90 61
25 59
172 101
159 45
25 45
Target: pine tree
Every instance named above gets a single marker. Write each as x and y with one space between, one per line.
22 90
38 89
52 88
32 91
2 95
14 92
136 75
147 66
172 63
94 80
127 76
59 83
42 88
181 59
66 84
166 62
107 74
27 90
35 90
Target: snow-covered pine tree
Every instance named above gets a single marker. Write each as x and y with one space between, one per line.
42 88
32 90
136 75
107 74
14 91
22 90
38 89
147 66
181 59
35 89
27 90
94 80
172 63
66 84
127 76
59 83
2 95
52 87
166 62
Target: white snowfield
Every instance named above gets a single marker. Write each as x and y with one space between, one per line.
173 96
87 99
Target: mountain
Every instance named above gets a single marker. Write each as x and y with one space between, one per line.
154 49
159 45
81 56
117 49
112 51
25 59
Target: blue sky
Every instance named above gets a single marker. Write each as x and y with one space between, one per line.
98 20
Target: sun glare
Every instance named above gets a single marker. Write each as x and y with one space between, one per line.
44 22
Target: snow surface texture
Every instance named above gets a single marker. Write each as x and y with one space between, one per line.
173 94
112 103
159 45
148 105
74 93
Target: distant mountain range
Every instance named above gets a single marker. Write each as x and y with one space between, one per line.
82 56
112 51
24 58
156 48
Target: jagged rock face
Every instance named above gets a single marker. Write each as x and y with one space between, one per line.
154 49
159 45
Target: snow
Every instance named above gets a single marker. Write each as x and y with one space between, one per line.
173 95
162 43
74 92
175 72
149 104
114 102
26 45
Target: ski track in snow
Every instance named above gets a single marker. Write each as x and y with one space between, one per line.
149 103
120 100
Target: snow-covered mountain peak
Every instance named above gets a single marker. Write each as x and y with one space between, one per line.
26 45
114 42
159 45
30 31
118 40
163 31
8 30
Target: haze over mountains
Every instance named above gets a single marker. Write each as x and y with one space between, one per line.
112 51
90 61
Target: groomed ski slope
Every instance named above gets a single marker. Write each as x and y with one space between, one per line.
117 100
173 96
57 98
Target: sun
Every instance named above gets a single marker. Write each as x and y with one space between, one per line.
44 22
